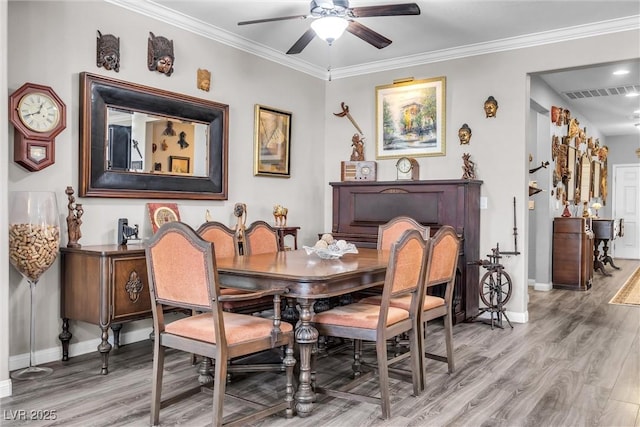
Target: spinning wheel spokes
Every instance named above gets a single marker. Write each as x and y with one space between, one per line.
495 288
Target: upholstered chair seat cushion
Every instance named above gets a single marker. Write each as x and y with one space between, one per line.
359 315
404 301
238 327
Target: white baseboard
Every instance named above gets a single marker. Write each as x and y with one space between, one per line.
5 388
47 355
544 287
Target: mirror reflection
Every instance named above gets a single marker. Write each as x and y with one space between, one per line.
146 143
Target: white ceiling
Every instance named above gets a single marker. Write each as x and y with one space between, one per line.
445 29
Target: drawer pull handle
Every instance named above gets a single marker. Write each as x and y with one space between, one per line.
134 286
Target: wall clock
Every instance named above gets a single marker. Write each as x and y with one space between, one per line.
408 168
38 115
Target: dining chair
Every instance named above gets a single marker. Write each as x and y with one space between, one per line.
226 245
260 238
405 275
182 273
443 262
389 232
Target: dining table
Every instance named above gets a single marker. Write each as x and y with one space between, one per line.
308 278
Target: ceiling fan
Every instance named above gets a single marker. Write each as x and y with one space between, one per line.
332 18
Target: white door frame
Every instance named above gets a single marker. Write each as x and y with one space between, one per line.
613 203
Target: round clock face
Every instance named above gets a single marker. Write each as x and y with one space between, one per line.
404 165
39 112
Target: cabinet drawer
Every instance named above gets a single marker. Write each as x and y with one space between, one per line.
130 291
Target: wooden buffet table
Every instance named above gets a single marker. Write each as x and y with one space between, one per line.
103 285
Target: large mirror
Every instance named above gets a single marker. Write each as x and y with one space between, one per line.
142 142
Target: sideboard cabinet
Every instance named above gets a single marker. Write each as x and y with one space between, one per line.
572 258
360 207
105 286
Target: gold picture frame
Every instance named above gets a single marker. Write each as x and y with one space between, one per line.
272 142
410 119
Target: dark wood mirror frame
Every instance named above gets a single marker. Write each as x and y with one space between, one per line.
99 92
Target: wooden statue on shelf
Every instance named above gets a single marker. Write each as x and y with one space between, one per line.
74 219
357 155
469 167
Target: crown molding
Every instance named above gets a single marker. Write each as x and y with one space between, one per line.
161 13
169 16
531 40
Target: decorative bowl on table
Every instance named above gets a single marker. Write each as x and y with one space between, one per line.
335 250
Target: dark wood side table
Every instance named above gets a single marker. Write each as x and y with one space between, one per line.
103 285
284 231
604 230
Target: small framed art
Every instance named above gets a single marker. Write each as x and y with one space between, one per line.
161 213
179 164
410 119
272 142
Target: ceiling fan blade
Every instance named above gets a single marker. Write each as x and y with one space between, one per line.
385 10
368 35
302 42
281 18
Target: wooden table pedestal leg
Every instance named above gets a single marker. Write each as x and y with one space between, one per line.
306 338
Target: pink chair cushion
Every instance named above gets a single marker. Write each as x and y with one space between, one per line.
238 327
358 315
404 302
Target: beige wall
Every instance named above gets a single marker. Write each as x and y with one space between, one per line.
51 42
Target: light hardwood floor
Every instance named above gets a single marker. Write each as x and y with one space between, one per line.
576 363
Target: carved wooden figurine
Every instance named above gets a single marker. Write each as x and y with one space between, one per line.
469 167
74 220
240 212
280 215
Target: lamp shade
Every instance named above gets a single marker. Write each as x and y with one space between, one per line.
329 28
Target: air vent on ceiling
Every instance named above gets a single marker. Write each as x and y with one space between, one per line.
592 93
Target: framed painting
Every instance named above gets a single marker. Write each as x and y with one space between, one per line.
272 142
410 119
178 164
161 213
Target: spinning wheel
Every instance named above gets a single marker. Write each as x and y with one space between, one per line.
495 288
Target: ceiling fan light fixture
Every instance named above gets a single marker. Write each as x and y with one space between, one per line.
329 28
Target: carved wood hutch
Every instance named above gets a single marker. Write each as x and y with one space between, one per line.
360 207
